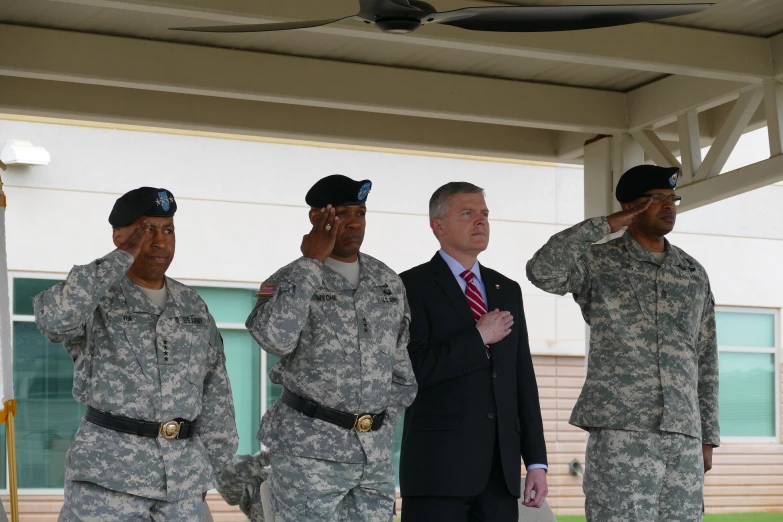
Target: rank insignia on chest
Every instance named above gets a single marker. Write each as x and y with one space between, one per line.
267 290
325 297
164 352
365 329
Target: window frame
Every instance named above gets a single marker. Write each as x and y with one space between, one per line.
775 351
61 276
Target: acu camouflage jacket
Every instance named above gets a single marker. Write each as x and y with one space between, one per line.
133 359
342 347
653 357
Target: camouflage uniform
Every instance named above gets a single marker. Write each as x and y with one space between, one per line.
88 502
640 476
321 471
652 367
135 360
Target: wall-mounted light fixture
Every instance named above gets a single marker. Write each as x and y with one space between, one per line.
575 468
20 152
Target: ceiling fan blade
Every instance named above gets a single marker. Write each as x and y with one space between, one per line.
559 18
258 28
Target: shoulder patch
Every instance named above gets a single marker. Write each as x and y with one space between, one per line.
267 290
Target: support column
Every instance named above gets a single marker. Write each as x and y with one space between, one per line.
626 153
605 160
599 191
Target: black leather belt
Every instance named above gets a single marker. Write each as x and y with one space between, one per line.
173 429
361 422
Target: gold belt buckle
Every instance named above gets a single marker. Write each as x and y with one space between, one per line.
363 424
170 430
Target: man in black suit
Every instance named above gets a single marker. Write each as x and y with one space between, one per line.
477 411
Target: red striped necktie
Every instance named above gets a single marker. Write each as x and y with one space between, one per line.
476 302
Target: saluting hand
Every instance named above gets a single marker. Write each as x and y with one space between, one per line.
133 242
319 243
624 218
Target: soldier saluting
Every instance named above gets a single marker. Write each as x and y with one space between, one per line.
149 365
650 399
338 319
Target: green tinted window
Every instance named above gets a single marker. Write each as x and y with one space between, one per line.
745 329
747 377
747 394
47 414
243 363
25 290
228 305
243 358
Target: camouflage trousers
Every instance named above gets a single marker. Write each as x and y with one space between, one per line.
312 490
635 476
88 502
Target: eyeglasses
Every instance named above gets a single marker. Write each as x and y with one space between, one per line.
663 198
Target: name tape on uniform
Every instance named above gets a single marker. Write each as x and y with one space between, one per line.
199 321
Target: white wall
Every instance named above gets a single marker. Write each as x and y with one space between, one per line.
242 213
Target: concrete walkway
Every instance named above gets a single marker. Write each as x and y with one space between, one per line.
542 514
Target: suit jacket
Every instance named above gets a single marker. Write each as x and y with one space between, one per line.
466 402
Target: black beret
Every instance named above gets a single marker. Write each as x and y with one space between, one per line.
338 190
638 180
144 201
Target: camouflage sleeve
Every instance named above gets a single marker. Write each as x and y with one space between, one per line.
240 483
283 306
559 266
216 426
708 375
62 311
404 385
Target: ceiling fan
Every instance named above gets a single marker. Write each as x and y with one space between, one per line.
405 16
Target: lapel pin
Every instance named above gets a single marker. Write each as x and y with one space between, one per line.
497 286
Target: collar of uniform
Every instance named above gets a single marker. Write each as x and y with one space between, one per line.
640 253
179 302
176 302
335 282
369 274
136 300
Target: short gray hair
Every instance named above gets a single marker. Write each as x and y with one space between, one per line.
439 202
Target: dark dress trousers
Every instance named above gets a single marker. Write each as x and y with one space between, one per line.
470 410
